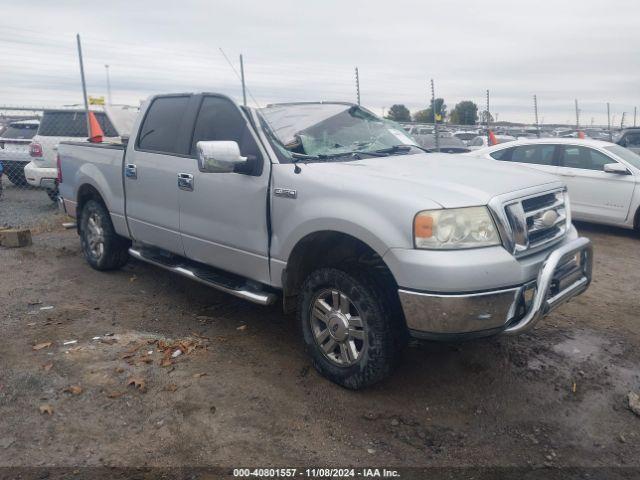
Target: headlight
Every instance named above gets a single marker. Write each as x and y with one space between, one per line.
455 228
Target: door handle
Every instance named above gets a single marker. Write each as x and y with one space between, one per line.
185 182
131 171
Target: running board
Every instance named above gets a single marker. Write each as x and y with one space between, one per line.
210 277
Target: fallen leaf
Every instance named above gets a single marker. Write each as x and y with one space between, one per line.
574 387
138 383
115 394
242 327
146 359
119 369
127 355
108 341
46 408
42 345
132 278
198 375
73 389
172 387
166 362
47 366
196 334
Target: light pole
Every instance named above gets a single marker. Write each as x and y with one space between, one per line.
106 67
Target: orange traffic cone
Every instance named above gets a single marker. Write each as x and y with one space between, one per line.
492 139
95 131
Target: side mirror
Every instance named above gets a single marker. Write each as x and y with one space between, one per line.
616 168
219 157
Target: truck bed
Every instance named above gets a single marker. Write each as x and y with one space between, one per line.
97 164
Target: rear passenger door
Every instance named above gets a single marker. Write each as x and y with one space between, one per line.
223 218
595 194
540 156
151 166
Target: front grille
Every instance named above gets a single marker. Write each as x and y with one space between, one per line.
537 221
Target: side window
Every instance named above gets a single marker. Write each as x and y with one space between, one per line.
504 154
632 140
161 126
477 142
534 154
574 157
220 119
599 160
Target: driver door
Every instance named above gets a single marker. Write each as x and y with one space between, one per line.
595 194
223 216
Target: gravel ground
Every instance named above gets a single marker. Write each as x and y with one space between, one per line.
243 392
26 207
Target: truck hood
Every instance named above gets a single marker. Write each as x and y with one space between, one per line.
450 180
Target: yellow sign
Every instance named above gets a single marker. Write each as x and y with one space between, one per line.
96 100
438 117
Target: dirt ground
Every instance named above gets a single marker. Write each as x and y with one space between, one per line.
244 393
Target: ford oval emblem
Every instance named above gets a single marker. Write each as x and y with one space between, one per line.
549 218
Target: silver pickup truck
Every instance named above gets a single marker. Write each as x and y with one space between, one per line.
336 213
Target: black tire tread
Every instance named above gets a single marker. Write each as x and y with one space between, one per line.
116 248
363 290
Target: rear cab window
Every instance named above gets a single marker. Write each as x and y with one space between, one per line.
20 131
72 124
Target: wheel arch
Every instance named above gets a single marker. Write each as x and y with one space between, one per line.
329 248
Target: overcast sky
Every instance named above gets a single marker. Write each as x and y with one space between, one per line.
297 50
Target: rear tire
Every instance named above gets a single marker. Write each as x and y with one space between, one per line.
103 248
52 194
348 327
15 174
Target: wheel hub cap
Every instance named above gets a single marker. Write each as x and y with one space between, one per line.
337 328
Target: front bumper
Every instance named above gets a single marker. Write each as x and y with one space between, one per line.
565 273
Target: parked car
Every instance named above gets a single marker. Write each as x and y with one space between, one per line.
466 136
629 138
57 126
481 141
14 149
603 178
447 143
335 212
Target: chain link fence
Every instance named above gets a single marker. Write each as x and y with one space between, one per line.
29 138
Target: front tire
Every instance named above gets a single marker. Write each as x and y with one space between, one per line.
347 327
103 248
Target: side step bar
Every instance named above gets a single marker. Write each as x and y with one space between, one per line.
212 279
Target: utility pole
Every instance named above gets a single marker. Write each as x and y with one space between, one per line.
535 109
106 67
488 121
84 85
244 89
635 115
609 122
357 86
577 115
435 120
622 121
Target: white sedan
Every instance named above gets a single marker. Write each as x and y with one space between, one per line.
603 178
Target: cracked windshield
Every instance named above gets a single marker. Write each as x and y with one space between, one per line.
334 130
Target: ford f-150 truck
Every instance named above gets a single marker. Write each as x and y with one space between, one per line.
336 213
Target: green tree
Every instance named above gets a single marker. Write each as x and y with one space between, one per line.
399 113
426 115
465 113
